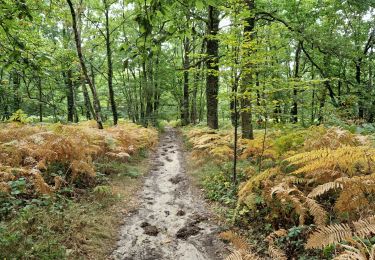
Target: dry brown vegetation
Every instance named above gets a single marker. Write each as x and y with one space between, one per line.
65 188
31 151
321 178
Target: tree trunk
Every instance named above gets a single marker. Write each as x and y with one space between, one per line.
16 80
40 90
321 106
294 110
110 65
69 94
156 88
212 83
234 99
246 113
361 109
185 101
89 109
77 37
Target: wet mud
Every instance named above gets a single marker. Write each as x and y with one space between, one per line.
172 221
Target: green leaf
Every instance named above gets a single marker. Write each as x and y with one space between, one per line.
199 4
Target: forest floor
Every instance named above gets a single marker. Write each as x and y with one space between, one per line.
172 220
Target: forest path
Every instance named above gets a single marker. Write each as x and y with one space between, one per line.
172 220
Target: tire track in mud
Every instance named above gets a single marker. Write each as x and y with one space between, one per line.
171 222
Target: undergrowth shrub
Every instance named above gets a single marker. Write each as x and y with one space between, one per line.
296 180
37 160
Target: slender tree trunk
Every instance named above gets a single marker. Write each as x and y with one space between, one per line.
321 106
156 88
16 80
233 100
212 83
40 90
150 93
361 109
110 65
84 68
313 96
370 87
246 109
69 94
90 113
185 101
294 110
235 90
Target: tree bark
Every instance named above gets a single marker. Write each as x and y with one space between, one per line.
77 37
246 109
16 80
212 82
69 94
110 65
294 110
361 109
40 90
185 101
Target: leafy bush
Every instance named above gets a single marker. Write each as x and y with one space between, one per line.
20 117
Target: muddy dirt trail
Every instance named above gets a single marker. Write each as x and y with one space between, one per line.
172 220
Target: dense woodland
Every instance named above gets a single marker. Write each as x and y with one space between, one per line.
287 61
276 100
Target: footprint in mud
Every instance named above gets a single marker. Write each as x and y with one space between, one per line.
149 229
181 213
197 218
177 179
187 231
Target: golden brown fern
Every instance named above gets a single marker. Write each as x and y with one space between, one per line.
285 194
337 233
301 203
365 227
332 138
352 253
246 192
237 241
329 235
353 192
324 188
242 255
348 160
317 211
242 248
26 147
4 187
274 251
40 185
